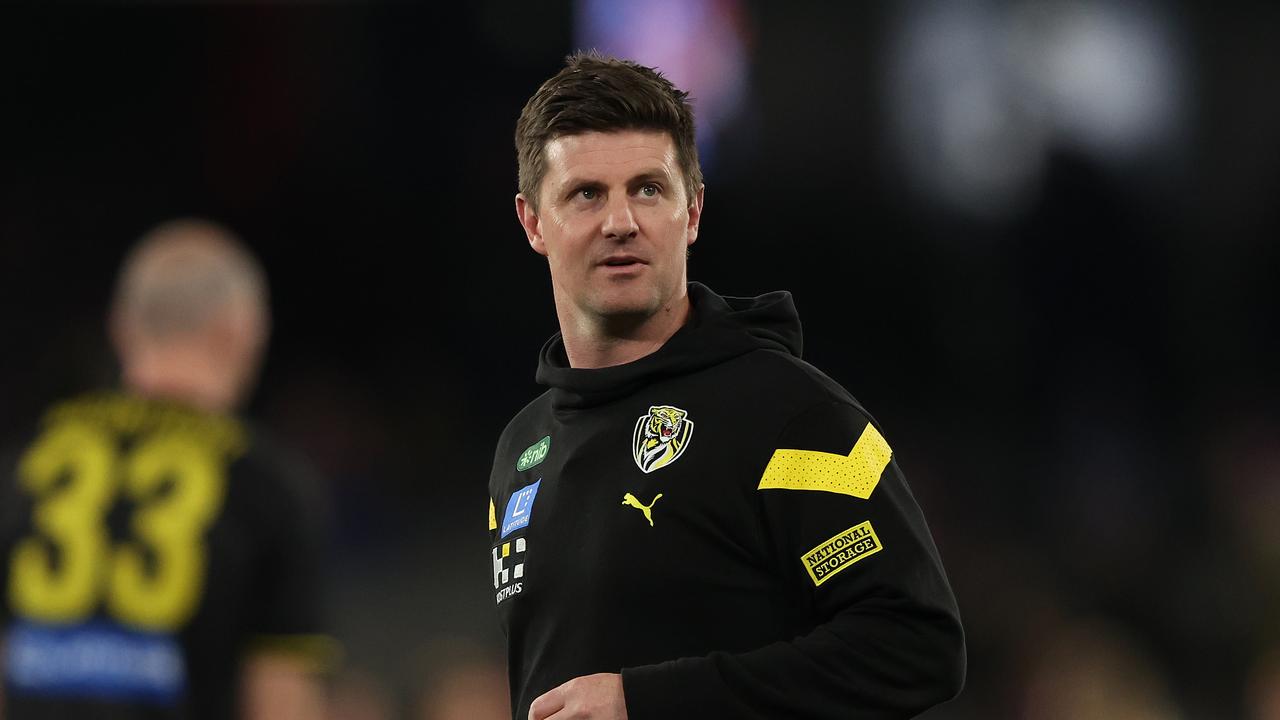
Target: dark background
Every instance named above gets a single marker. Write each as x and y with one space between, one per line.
1081 389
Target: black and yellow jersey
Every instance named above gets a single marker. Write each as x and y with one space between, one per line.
145 549
722 524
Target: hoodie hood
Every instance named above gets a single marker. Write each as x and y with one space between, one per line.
719 328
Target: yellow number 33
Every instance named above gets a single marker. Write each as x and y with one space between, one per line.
153 582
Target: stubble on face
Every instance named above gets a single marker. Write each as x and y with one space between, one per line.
616 227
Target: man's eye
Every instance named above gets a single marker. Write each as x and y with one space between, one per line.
649 190
587 194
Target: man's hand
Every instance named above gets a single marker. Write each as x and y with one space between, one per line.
590 697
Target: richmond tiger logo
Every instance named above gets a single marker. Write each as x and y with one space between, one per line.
660 437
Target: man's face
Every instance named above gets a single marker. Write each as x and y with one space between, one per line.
614 221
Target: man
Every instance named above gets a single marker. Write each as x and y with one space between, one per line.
691 522
158 560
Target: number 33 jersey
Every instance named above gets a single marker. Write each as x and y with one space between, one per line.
145 549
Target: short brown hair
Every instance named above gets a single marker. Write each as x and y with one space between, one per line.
594 93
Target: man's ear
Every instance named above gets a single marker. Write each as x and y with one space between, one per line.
695 215
530 222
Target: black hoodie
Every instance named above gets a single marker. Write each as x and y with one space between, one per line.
723 525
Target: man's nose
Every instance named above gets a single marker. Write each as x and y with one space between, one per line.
619 222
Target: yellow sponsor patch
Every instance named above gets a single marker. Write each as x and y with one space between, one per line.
841 551
493 518
855 474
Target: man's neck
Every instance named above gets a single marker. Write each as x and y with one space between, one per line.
190 378
598 343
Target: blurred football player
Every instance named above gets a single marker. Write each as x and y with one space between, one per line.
158 559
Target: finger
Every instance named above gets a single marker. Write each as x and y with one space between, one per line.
547 704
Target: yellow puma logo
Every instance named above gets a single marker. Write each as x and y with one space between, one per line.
631 500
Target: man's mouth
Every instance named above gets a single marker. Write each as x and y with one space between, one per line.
622 262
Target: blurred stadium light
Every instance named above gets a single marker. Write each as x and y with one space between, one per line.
700 45
978 93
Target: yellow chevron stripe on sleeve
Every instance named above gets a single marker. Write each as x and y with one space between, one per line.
855 474
493 518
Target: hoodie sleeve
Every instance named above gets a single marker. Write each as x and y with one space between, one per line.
852 547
